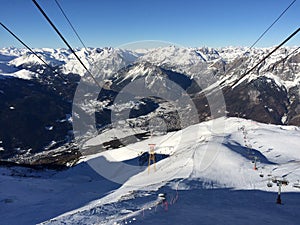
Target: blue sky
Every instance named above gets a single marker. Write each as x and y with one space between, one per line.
192 23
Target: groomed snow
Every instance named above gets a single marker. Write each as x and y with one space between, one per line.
209 177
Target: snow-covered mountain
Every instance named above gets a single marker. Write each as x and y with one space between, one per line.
209 177
105 62
269 94
212 166
177 58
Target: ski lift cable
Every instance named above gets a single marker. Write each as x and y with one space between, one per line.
76 33
66 42
292 53
33 52
92 62
261 36
73 28
267 56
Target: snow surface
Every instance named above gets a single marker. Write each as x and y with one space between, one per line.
209 178
23 74
202 64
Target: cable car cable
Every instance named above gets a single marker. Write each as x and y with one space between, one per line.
33 52
65 41
73 28
267 56
78 36
260 37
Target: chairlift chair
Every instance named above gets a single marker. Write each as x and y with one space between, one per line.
296 185
261 174
284 182
269 184
162 195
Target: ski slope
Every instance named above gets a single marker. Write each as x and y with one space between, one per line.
208 178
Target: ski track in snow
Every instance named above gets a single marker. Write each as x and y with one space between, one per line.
208 178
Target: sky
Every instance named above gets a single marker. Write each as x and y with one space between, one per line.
114 23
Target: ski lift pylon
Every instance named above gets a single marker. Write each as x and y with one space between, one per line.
151 157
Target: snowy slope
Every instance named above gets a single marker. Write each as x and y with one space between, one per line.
270 94
99 61
8 55
208 177
52 57
195 62
190 61
173 56
210 155
102 63
221 144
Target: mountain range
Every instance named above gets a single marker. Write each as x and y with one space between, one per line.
137 92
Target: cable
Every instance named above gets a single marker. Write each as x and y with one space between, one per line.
285 58
260 37
76 33
65 41
30 49
264 58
